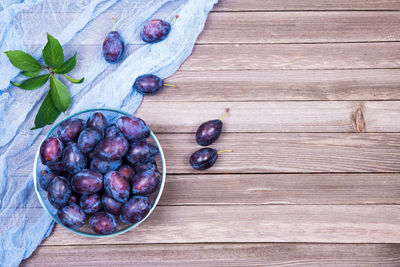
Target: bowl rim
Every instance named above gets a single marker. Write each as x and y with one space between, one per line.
55 218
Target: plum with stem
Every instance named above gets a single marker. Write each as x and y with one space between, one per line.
113 46
208 132
205 158
156 30
149 84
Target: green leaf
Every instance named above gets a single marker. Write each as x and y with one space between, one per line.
47 113
72 80
23 61
53 53
67 66
33 83
59 94
31 73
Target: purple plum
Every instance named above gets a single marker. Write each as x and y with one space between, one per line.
103 223
135 209
51 150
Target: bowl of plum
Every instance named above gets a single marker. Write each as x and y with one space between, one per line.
99 172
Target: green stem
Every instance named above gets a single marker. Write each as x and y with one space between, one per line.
113 22
223 151
176 17
226 113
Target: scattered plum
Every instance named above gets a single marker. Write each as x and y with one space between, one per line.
59 192
69 130
133 128
87 182
103 223
149 84
116 185
89 138
204 158
90 203
141 152
127 171
135 209
73 159
113 46
45 178
72 216
209 131
51 150
146 182
156 30
111 205
112 148
97 120
104 166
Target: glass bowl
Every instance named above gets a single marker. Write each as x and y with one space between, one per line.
112 116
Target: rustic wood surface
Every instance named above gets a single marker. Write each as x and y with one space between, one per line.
313 89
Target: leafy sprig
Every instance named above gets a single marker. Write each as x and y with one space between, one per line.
58 98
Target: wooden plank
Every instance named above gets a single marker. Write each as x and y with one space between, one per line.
269 189
290 5
244 27
281 85
372 113
282 254
289 153
266 59
277 153
294 56
260 5
281 189
301 27
268 223
299 116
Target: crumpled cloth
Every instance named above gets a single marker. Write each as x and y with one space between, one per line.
80 26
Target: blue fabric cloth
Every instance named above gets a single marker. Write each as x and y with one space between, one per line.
23 222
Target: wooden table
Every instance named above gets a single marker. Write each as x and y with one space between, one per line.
313 88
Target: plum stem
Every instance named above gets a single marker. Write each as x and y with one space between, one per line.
223 151
173 21
113 22
49 70
170 85
226 113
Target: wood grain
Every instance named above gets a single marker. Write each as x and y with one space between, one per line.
317 5
301 27
245 27
280 85
280 153
290 153
266 59
268 223
282 254
240 189
282 189
299 116
294 56
263 5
